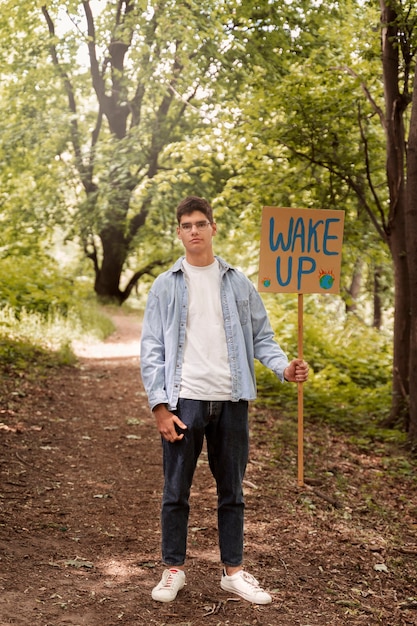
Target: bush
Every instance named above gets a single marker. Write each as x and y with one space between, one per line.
43 310
36 284
28 337
350 369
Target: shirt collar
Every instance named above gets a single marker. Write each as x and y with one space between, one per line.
224 266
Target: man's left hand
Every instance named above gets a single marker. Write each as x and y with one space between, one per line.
296 371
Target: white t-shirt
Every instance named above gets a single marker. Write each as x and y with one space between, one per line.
205 369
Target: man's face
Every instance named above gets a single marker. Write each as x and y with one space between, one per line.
196 232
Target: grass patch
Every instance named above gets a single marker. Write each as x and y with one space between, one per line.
29 338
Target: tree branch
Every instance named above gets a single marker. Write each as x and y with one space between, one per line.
97 78
90 251
137 275
368 172
351 184
367 93
85 172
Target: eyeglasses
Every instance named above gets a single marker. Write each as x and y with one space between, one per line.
187 226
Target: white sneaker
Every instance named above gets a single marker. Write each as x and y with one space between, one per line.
172 581
245 586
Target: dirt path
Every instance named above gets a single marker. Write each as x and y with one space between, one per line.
80 496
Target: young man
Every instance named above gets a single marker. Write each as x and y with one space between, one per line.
203 327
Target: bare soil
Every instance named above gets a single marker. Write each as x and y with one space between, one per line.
80 496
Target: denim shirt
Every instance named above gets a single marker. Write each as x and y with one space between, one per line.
248 332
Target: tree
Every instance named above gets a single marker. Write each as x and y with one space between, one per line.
326 108
137 83
397 54
411 239
127 100
31 190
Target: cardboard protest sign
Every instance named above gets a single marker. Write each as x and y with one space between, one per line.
301 250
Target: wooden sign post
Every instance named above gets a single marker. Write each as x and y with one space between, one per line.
301 252
300 394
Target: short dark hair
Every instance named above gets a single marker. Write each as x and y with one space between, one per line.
194 203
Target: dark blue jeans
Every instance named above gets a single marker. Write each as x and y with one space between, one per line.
225 426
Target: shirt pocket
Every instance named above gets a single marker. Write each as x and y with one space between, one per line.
243 311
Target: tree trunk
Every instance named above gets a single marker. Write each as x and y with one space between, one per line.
355 287
411 241
114 249
395 106
377 321
399 414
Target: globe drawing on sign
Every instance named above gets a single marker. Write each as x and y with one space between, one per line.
266 282
326 279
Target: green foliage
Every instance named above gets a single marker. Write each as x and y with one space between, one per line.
36 284
350 376
42 311
303 127
29 339
20 355
234 107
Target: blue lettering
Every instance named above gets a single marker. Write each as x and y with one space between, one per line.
274 244
299 233
302 270
326 236
308 236
281 282
312 234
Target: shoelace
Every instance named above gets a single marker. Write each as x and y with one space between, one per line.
251 580
170 579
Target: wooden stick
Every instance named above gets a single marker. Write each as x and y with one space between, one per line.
300 397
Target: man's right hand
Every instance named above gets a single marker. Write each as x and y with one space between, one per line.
166 422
